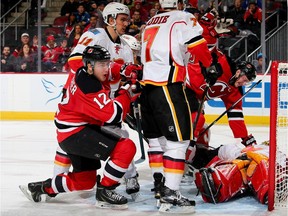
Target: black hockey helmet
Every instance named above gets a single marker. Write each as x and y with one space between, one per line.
95 53
247 69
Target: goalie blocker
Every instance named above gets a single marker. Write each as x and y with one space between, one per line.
222 180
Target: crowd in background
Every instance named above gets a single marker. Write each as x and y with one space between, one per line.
231 18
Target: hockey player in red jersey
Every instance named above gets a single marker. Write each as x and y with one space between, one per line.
228 87
166 117
86 107
116 17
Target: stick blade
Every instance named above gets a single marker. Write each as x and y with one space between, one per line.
140 160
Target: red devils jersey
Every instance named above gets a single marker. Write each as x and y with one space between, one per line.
221 89
87 101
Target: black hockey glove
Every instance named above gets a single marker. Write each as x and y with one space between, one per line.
212 73
249 140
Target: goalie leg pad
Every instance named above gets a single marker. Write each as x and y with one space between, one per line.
219 181
258 182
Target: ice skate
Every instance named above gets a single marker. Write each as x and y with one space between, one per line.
106 197
35 191
132 187
173 202
158 184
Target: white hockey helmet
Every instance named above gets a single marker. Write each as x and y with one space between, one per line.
133 43
113 9
168 3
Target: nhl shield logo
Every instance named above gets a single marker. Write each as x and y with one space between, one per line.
171 129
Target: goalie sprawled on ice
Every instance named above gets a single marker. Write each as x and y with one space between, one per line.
233 172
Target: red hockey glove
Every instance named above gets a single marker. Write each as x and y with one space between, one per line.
249 140
131 71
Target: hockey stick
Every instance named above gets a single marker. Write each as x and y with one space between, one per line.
233 105
130 121
137 115
200 107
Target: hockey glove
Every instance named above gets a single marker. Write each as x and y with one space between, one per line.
212 73
124 89
131 71
249 140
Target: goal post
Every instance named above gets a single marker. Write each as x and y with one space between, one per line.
278 162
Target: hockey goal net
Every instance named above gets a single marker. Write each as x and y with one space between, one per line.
278 161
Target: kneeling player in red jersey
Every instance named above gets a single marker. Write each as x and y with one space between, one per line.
79 119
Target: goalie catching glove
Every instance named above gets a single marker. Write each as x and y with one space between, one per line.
212 73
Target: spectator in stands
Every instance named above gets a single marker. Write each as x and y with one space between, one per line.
25 39
259 63
7 60
75 36
192 4
51 53
33 12
93 7
69 26
135 24
236 12
63 57
253 18
82 16
152 12
100 8
157 6
128 3
69 7
96 12
245 4
26 61
93 22
138 7
180 5
86 4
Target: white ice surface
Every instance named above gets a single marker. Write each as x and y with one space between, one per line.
27 154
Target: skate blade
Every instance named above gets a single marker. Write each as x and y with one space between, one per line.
26 192
28 195
158 203
135 196
106 205
169 208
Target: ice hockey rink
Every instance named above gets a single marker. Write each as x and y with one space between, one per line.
27 154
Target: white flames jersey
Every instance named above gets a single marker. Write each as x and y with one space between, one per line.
165 43
120 51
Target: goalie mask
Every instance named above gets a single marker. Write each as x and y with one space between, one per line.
95 53
247 69
113 9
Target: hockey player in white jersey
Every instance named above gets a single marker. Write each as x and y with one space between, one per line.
166 118
116 17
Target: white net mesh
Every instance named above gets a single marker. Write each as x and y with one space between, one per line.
281 183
